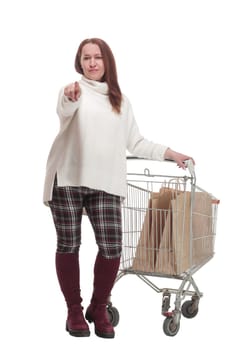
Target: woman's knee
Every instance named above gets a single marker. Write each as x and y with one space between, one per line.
110 252
61 248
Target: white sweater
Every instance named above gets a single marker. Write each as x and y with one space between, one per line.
90 148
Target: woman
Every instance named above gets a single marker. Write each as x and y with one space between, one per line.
86 168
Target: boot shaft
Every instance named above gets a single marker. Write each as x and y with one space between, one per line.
67 268
105 272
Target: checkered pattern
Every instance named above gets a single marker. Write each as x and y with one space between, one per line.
103 210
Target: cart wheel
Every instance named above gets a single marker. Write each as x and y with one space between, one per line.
189 309
170 327
113 315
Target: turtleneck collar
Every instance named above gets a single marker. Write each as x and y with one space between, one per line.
98 86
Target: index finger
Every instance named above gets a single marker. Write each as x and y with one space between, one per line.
76 87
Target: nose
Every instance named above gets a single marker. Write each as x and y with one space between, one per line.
92 62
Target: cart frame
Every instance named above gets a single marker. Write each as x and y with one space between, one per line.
187 286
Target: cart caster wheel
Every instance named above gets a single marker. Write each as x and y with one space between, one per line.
189 309
113 315
170 328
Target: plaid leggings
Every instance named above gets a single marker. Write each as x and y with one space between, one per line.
103 210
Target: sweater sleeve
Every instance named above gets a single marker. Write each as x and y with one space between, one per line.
65 107
137 145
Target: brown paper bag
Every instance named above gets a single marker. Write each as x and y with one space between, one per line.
144 259
202 228
152 229
187 239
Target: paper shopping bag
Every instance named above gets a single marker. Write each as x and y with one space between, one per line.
152 229
166 258
144 259
187 238
202 228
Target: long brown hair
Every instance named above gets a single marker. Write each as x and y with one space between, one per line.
110 75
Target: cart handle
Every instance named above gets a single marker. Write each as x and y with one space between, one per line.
188 163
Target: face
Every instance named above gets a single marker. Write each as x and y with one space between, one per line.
92 62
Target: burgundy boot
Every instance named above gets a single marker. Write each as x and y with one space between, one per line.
67 267
105 272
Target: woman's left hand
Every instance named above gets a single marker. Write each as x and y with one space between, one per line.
177 157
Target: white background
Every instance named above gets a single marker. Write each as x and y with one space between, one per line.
174 62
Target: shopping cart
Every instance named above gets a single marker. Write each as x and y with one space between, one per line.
169 229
